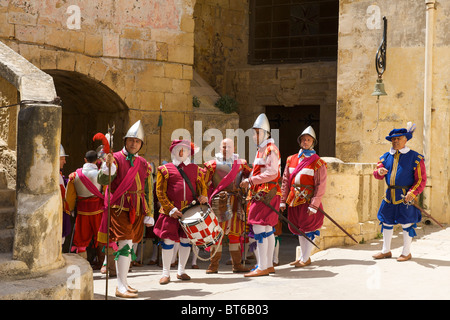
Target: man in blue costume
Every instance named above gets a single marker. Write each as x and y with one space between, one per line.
404 172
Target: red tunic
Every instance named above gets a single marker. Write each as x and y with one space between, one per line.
173 192
312 179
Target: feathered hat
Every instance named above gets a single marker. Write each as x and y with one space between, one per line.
407 132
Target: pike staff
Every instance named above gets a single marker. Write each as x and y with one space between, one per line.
111 131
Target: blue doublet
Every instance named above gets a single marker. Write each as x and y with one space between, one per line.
400 178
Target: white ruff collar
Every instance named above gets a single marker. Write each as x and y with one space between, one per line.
403 151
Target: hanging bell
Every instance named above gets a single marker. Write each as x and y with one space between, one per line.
379 88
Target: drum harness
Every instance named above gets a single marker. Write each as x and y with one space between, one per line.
188 182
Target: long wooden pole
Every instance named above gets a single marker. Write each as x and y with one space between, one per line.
111 132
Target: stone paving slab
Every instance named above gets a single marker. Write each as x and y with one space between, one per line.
335 274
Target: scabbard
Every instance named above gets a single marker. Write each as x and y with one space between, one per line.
332 220
290 223
427 214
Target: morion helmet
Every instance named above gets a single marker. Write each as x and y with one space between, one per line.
262 123
136 131
309 131
62 152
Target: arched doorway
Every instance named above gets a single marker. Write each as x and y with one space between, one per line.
88 107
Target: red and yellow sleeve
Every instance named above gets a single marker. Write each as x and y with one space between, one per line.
161 190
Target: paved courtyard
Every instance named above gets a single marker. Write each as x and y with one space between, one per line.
335 274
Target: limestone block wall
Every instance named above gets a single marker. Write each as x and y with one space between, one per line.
141 50
352 199
221 39
8 132
256 87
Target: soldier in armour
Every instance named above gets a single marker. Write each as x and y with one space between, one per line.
222 177
131 202
264 178
303 186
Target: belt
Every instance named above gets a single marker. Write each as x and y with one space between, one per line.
399 187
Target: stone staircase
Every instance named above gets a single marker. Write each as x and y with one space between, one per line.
8 266
7 200
7 213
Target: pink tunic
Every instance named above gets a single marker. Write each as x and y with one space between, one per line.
269 172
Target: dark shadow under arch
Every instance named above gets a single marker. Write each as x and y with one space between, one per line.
88 106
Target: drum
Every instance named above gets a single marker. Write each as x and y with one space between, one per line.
221 206
201 225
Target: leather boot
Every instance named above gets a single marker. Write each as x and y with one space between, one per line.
100 258
214 265
236 259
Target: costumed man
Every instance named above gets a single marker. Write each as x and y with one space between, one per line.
404 172
222 177
131 203
264 178
66 224
85 194
303 186
174 194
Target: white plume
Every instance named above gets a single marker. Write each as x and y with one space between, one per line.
410 127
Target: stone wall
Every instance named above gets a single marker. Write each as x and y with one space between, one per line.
36 249
8 132
360 137
142 51
292 86
352 198
221 58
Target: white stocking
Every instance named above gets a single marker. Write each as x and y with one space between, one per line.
305 248
176 247
184 251
166 256
265 248
406 240
276 251
194 256
122 266
388 230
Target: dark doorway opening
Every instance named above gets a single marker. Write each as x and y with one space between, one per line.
88 107
291 121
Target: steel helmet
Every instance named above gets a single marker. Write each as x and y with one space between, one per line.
309 131
262 123
62 152
136 131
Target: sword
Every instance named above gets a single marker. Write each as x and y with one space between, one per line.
241 195
303 194
413 203
331 219
266 200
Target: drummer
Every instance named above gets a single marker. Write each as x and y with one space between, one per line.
223 179
174 194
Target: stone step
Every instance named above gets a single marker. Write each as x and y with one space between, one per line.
11 268
7 217
6 240
72 281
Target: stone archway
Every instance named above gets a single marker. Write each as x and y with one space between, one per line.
88 106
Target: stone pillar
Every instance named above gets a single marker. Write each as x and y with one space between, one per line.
38 233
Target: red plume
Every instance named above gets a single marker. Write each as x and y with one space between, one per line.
100 136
